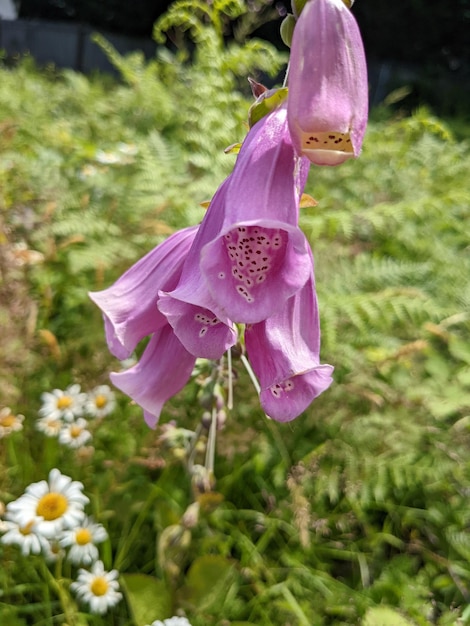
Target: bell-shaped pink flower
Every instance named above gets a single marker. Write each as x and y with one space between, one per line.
328 91
129 306
259 257
201 325
164 368
284 352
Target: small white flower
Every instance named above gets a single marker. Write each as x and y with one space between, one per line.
9 422
172 621
50 426
101 401
75 434
106 157
98 588
67 404
82 542
25 537
53 505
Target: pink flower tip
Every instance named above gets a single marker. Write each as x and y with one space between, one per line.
328 90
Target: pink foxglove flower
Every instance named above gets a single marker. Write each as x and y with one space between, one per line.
130 305
260 257
198 321
284 352
163 370
328 91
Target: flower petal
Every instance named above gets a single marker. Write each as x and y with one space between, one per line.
284 353
328 90
130 305
163 370
260 256
200 324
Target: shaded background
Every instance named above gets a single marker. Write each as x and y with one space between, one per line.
427 43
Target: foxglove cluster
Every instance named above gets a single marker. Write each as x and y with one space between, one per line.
248 265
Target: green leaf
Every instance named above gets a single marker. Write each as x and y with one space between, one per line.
148 598
459 349
384 616
206 582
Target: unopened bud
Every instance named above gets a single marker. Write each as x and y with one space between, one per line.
202 479
221 418
206 419
191 515
287 29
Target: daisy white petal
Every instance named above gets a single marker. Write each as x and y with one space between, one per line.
82 541
49 425
54 505
75 434
101 401
67 404
25 537
9 422
97 588
172 621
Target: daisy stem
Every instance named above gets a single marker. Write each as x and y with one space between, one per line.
12 458
66 602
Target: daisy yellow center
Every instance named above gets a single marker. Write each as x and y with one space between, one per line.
52 506
75 431
83 536
27 529
64 402
101 401
7 421
99 586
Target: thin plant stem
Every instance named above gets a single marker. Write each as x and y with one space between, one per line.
193 448
230 380
251 373
210 450
284 84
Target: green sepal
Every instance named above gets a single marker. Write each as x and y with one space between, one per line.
287 29
266 103
297 6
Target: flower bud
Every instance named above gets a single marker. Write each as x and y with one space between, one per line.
328 91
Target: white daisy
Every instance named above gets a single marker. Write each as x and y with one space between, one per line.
98 588
75 434
101 401
50 426
9 422
82 542
25 537
54 505
67 404
172 621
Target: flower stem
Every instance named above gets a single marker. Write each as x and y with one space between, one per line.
210 449
251 373
230 380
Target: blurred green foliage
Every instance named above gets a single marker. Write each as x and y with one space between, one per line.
357 512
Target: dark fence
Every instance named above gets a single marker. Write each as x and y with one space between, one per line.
66 44
69 45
